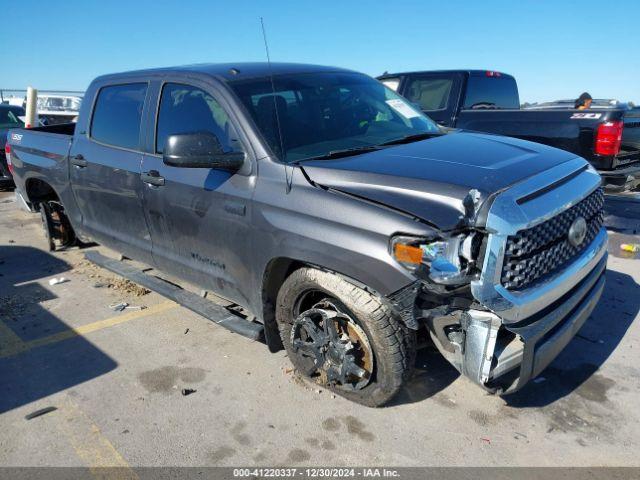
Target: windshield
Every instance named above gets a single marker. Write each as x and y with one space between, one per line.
9 117
320 113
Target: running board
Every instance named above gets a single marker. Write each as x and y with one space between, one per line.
209 310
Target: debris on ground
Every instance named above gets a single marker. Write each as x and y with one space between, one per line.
188 391
186 331
486 440
57 281
118 307
40 412
630 247
103 278
100 285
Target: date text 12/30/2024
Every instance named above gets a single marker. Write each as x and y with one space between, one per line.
315 472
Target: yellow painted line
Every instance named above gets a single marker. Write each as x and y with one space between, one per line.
91 446
9 341
85 329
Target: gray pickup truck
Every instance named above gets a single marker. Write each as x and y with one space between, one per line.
335 212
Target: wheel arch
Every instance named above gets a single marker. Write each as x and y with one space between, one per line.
38 190
275 273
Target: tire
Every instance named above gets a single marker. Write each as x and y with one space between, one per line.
47 225
57 228
392 344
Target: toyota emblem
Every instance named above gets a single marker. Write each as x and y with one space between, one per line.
577 231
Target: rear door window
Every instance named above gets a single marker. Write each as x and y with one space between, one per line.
431 93
188 109
117 115
484 92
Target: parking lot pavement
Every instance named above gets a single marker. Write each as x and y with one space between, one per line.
115 381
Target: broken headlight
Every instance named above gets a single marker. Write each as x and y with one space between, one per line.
447 262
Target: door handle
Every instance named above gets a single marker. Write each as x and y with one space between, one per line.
152 177
79 161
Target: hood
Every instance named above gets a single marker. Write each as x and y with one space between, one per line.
430 179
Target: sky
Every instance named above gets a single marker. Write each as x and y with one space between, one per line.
555 49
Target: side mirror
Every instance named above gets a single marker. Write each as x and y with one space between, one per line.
200 150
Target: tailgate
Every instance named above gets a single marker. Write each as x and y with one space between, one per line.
630 148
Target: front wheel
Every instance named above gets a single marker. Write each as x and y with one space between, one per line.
343 337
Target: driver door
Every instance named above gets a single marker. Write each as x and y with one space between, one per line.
198 217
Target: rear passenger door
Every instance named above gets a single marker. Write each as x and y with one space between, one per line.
437 95
105 163
199 218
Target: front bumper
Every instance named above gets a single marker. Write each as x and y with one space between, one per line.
505 338
538 340
502 357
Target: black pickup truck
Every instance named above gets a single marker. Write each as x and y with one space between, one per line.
488 101
337 214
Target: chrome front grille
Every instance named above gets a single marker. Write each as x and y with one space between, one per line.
532 253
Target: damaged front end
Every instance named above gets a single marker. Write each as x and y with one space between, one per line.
520 282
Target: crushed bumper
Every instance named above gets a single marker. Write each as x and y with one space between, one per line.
501 356
537 341
504 338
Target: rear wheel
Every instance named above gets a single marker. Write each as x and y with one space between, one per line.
344 338
57 228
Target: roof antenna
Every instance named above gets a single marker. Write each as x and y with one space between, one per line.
288 170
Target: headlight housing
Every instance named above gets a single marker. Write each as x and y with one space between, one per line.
443 261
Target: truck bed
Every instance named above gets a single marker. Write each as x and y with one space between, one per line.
60 129
41 153
571 130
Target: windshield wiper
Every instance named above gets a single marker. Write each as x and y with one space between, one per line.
345 152
412 138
